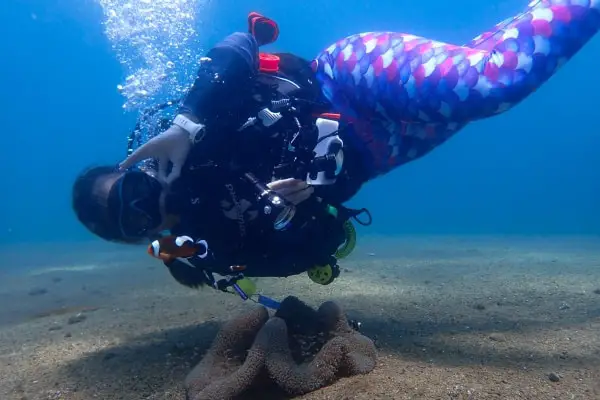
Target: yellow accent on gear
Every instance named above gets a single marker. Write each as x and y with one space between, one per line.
248 286
321 274
348 246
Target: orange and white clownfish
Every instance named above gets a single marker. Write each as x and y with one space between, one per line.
170 247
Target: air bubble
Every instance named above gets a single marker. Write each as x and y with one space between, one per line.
146 35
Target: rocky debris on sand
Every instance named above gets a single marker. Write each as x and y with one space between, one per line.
554 377
298 350
64 310
564 306
497 337
75 319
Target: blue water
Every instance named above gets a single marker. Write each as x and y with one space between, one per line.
533 170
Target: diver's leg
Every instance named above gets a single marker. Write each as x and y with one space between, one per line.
414 79
264 29
224 79
404 87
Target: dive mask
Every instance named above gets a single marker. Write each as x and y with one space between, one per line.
135 201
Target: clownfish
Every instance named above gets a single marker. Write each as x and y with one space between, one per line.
170 247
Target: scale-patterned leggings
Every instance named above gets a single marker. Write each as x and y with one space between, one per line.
408 94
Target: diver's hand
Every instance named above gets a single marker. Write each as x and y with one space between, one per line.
172 145
293 190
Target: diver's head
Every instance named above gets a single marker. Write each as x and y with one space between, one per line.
124 207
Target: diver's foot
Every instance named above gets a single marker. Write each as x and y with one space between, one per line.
264 29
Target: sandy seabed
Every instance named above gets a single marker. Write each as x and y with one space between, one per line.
452 317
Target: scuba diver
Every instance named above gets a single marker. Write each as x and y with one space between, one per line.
244 202
398 97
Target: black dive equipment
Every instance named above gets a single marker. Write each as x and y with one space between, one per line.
297 136
280 211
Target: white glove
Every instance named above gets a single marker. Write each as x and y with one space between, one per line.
172 145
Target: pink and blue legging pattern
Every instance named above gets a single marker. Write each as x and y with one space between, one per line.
406 94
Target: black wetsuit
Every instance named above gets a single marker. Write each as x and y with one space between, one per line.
215 204
225 106
223 210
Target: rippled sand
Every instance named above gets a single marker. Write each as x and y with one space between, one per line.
453 317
